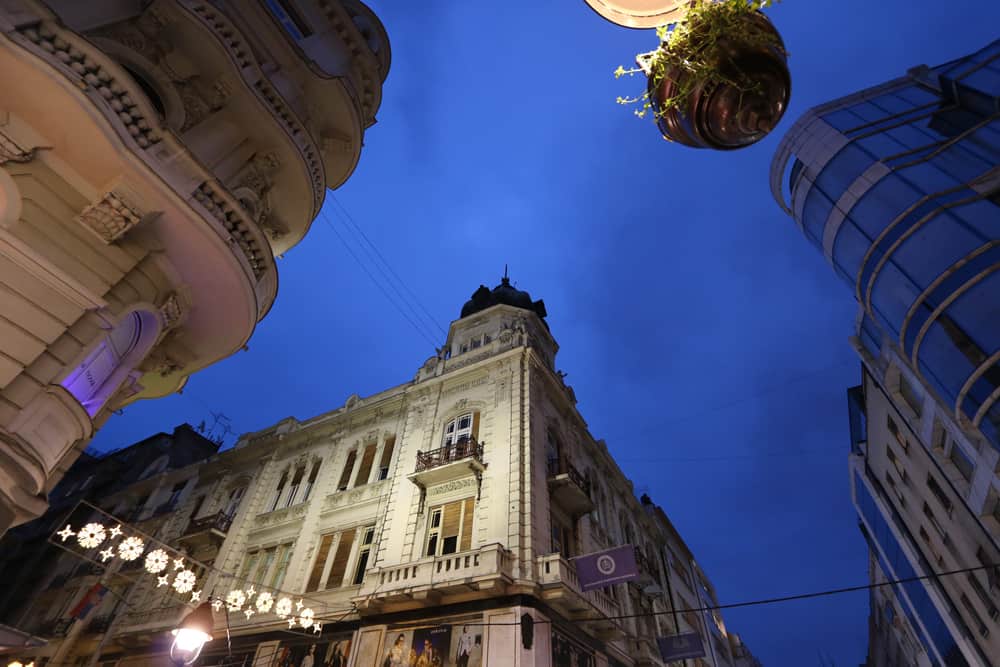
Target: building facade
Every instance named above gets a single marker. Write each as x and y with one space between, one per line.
899 187
434 520
155 157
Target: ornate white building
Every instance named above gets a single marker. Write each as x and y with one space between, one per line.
155 156
444 510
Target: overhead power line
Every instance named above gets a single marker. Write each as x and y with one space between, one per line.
429 318
378 284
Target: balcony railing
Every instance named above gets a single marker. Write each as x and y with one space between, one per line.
449 454
219 521
561 588
428 579
569 488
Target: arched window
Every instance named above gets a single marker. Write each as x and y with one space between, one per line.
110 361
459 434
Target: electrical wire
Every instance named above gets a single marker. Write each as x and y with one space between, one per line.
771 600
379 285
429 318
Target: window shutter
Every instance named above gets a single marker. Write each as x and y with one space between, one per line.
345 477
390 444
317 571
339 566
366 465
465 543
452 519
475 426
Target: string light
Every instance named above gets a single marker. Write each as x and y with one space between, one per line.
116 531
235 599
156 561
130 548
264 602
306 617
107 555
184 581
91 536
66 533
283 608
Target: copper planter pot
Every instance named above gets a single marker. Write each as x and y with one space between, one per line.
722 116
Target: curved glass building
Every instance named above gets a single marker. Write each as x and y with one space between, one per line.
899 186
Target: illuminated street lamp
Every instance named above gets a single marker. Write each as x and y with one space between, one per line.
640 13
192 634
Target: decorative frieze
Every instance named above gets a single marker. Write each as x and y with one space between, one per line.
279 517
355 496
110 217
236 222
454 485
172 311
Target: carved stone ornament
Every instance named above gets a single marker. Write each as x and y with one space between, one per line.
454 485
172 310
162 363
110 217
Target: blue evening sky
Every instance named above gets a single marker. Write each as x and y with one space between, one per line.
706 340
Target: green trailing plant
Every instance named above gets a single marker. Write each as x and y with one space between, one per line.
688 56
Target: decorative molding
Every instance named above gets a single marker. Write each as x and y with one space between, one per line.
454 485
111 216
41 269
10 151
81 62
278 517
234 218
172 311
354 496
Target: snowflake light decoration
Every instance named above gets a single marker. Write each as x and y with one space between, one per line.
130 548
235 599
306 617
251 591
91 536
107 555
66 533
299 605
317 627
184 581
264 602
283 608
156 561
291 622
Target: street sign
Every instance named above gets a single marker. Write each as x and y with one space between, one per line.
681 647
604 568
640 13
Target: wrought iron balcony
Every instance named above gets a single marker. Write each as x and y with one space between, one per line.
206 530
568 488
448 462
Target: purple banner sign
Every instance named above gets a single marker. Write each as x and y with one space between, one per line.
681 647
604 568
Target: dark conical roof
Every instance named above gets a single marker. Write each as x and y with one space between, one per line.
505 294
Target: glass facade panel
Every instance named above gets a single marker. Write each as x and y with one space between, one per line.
817 209
849 249
935 246
978 309
940 355
893 293
894 563
845 167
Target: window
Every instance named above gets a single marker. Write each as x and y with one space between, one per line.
553 453
892 484
383 466
929 513
340 558
461 428
273 505
891 455
962 462
345 476
971 611
320 563
283 556
983 596
311 482
563 538
249 564
294 488
910 395
175 494
939 493
263 565
365 469
235 498
449 528
363 553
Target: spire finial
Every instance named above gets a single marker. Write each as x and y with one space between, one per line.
506 278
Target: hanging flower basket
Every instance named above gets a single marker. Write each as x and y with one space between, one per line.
719 78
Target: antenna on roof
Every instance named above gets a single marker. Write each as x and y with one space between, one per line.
505 276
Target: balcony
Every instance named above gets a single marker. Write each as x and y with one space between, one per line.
428 580
54 628
568 488
207 531
561 589
448 463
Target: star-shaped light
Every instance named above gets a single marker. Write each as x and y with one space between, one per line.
217 604
251 591
299 605
291 622
91 536
196 597
115 532
130 548
66 533
162 580
249 612
317 627
178 563
107 555
184 581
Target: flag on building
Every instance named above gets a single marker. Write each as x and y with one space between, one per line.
90 600
605 568
681 647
